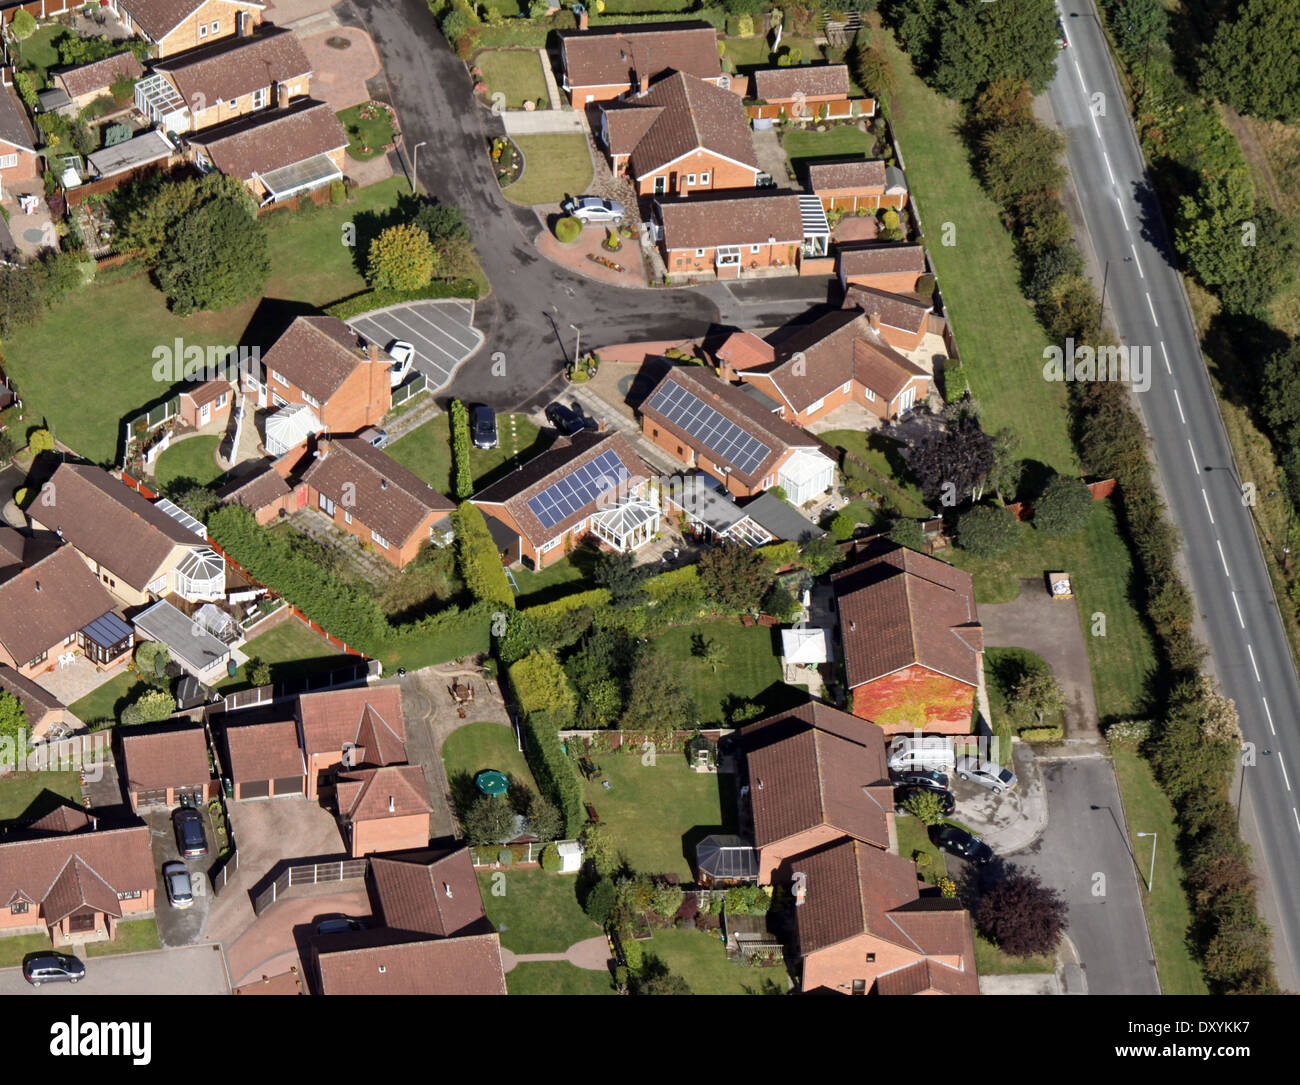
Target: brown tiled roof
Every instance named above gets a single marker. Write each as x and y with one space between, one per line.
804 775
318 353
564 457
263 751
438 966
874 258
927 977
862 175
622 54
737 407
14 128
272 139
390 791
206 392
165 755
689 114
30 868
370 717
160 17
898 607
99 74
233 67
286 983
906 314
47 602
36 700
626 127
384 495
13 545
64 818
79 888
429 892
256 492
743 350
111 524
750 219
812 81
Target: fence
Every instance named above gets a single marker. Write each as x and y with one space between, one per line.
521 854
40 9
313 874
604 740
412 387
806 112
64 753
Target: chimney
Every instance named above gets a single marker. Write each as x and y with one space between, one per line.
383 483
645 83
874 320
800 890
38 585
446 888
852 625
582 19
372 351
281 96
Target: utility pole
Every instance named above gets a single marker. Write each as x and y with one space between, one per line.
415 162
1155 839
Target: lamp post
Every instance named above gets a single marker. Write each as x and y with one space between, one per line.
1155 839
415 162
577 343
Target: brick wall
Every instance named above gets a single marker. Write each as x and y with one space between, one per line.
676 176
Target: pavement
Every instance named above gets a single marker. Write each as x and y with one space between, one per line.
1147 304
1006 823
519 122
591 954
1036 983
442 333
194 970
278 939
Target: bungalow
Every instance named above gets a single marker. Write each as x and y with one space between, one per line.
900 321
64 876
374 498
47 716
815 774
862 183
176 25
804 93
718 427
679 137
608 62
896 268
86 82
728 233
321 363
345 729
590 485
164 763
19 161
383 809
912 640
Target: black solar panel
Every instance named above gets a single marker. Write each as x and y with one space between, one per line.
575 491
726 440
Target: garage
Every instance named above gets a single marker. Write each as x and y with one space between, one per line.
166 763
252 789
263 759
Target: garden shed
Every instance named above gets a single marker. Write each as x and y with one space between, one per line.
571 854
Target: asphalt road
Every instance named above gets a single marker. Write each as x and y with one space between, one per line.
194 970
1145 301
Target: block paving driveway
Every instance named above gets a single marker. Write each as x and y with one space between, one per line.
442 333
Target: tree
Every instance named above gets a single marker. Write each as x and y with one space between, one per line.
23 25
1280 398
197 500
601 852
1266 85
478 559
1004 476
926 806
710 650
819 554
842 527
1036 694
146 210
488 821
216 256
655 696
1137 25
620 573
1208 232
258 671
1021 915
600 901
780 603
1020 159
544 820
7 448
1270 263
907 532
987 531
979 43
871 70
953 462
150 708
13 717
656 979
39 441
540 684
735 578
401 258
1064 508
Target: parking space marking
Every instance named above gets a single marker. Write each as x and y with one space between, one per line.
442 333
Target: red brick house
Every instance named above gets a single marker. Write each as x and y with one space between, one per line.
902 322
912 640
176 25
208 402
861 183
161 763
806 92
815 775
86 82
680 137
383 809
894 267
344 729
371 496
608 62
729 234
19 161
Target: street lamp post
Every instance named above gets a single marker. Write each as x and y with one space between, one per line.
577 343
415 162
1155 839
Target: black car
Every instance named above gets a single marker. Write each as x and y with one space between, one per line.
191 841
339 925
962 844
564 419
903 794
53 968
935 781
483 424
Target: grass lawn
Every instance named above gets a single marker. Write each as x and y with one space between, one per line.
752 671
19 790
13 950
426 451
991 961
367 136
48 360
191 458
892 479
557 579
107 701
555 166
841 140
700 958
537 912
516 73
1003 669
1147 810
39 52
912 838
556 978
756 52
292 650
658 813
133 936
478 746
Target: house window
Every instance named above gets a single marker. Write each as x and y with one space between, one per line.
699 252
130 894
279 400
871 958
347 517
69 639
690 179
728 256
704 178
18 907
907 399
259 98
327 506
219 103
548 546
159 585
859 987
108 580
654 432
221 401
8 161
203 30
871 396
661 185
846 387
755 248
379 539
279 377
216 25
311 401
39 659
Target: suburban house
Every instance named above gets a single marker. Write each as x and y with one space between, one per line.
590 485
86 82
723 430
63 876
861 183
731 233
139 550
435 937
163 763
322 364
815 774
900 321
863 927
262 758
279 153
176 25
47 716
839 358
806 92
609 62
371 496
52 607
207 402
679 137
383 809
894 267
236 76
345 729
265 493
912 640
19 161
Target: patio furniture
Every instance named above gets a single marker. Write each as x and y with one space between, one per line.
461 692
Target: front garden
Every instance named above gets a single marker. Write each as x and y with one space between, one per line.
554 166
514 74
426 451
371 128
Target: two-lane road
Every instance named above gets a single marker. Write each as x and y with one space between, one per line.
1146 303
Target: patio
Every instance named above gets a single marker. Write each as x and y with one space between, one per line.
33 231
77 678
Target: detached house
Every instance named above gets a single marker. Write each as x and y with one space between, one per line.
19 161
900 321
729 234
805 93
383 809
176 25
606 63
912 640
344 729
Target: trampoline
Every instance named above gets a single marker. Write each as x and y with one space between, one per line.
491 782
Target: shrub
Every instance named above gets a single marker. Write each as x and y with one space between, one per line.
1131 733
843 526
401 258
27 89
908 533
927 807
463 479
1064 507
555 774
1021 915
338 191
40 440
551 861
987 531
477 558
1043 734
568 229
150 708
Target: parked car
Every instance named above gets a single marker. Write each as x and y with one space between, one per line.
375 436
1061 40
403 355
565 419
935 781
339 924
180 890
593 209
962 844
902 795
986 774
483 424
935 753
191 840
53 968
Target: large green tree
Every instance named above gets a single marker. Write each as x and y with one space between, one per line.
735 577
979 42
13 717
1251 61
987 531
216 256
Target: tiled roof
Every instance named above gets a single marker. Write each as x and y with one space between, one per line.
79 888
318 353
862 175
165 755
754 218
811 81
272 139
620 55
36 700
384 495
927 977
898 607
160 17
233 67
14 128
258 491
31 867
370 717
743 350
390 791
906 314
99 74
429 892
438 966
64 818
263 751
47 602
873 258
207 392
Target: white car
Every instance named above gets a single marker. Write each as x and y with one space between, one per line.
589 209
403 355
986 774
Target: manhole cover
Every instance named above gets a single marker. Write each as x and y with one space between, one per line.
34 236
338 43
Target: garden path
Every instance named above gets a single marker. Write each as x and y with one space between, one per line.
591 954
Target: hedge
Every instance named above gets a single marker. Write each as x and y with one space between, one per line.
1042 734
368 300
558 608
478 558
556 776
462 477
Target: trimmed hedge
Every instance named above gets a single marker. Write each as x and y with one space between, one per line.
462 477
568 230
364 302
1042 734
556 776
478 558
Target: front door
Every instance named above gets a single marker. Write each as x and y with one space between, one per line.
661 186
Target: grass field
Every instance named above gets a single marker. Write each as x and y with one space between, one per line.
556 978
133 936
803 144
191 458
535 912
426 451
19 790
516 73
292 650
555 166
991 961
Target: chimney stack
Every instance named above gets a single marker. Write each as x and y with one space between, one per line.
373 351
281 96
874 320
391 808
582 19
645 83
243 24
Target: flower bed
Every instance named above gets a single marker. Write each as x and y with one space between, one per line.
507 162
372 129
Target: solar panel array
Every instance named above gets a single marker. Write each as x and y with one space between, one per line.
721 436
575 491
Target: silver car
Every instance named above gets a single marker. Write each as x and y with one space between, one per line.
180 891
986 774
594 209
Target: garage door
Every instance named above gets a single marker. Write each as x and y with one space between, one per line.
254 789
155 797
288 785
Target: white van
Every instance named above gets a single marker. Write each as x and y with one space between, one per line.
936 754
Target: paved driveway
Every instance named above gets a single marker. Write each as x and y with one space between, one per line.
442 333
193 970
181 926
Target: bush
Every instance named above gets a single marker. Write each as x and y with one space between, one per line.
842 527
27 89
908 533
1021 916
401 258
150 708
338 191
40 440
551 861
540 684
463 478
1064 507
568 230
478 559
1043 734
987 531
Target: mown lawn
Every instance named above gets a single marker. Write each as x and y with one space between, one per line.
426 451
293 650
535 912
14 949
913 837
107 701
557 978
39 52
756 52
516 73
191 458
881 457
1003 669
991 961
555 166
19 790
803 144
557 579
367 136
133 936
700 958
479 746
